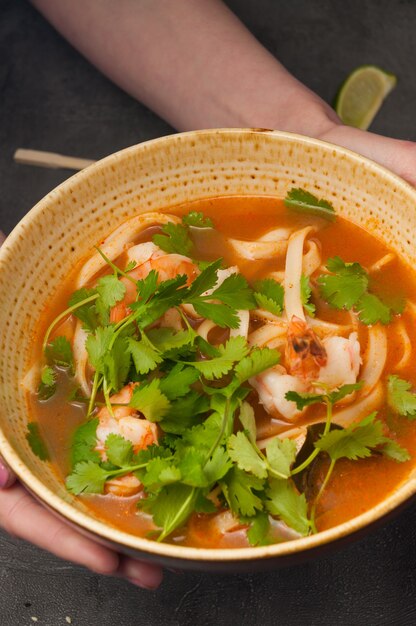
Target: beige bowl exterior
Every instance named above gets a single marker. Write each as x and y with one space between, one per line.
154 176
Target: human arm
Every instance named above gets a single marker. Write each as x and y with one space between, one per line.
196 65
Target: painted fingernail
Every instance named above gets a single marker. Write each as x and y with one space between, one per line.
139 583
6 478
143 574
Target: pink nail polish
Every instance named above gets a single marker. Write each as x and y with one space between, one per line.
6 477
139 583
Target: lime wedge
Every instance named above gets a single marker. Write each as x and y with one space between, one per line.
362 94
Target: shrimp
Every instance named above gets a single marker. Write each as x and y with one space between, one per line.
305 353
272 387
126 423
149 257
343 361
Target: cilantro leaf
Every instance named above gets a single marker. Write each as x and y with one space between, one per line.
269 295
177 383
235 292
36 442
233 350
171 343
98 344
257 361
59 352
303 201
84 441
372 310
159 472
353 442
171 507
145 357
111 290
400 398
394 451
344 287
238 488
147 286
197 219
175 239
47 385
245 456
206 280
248 421
305 294
150 401
130 266
221 314
184 412
217 465
259 530
116 363
306 399
119 450
284 501
86 313
281 454
87 477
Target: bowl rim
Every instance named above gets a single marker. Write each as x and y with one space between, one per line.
147 547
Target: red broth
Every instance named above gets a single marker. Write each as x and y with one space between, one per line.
355 486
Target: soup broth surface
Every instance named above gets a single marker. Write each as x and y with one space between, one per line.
355 485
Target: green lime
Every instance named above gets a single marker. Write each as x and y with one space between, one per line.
362 94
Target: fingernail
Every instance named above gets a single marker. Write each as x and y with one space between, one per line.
143 574
141 584
6 477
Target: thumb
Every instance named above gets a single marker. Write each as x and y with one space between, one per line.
7 478
397 155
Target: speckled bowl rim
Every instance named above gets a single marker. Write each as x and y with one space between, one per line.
149 548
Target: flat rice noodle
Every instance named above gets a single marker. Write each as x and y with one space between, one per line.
244 321
268 335
360 409
272 244
293 273
407 346
297 434
205 328
385 260
115 243
31 379
328 329
311 259
374 358
81 358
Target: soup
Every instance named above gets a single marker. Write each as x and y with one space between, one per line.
235 371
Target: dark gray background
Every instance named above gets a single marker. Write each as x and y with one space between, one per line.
52 99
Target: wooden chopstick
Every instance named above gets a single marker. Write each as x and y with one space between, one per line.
49 159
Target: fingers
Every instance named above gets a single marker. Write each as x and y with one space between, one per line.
397 155
7 478
141 574
22 516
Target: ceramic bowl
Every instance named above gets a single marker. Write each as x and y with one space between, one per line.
154 176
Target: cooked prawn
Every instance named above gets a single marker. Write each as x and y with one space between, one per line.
149 257
305 353
125 422
272 386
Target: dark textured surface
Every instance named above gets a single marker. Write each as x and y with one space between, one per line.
50 98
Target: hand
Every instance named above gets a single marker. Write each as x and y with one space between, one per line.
24 517
396 155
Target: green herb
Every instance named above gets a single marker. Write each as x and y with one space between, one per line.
197 219
174 240
84 441
269 295
36 442
82 305
347 288
306 294
150 401
59 352
303 400
240 489
47 385
145 357
258 533
303 201
400 398
233 350
284 500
